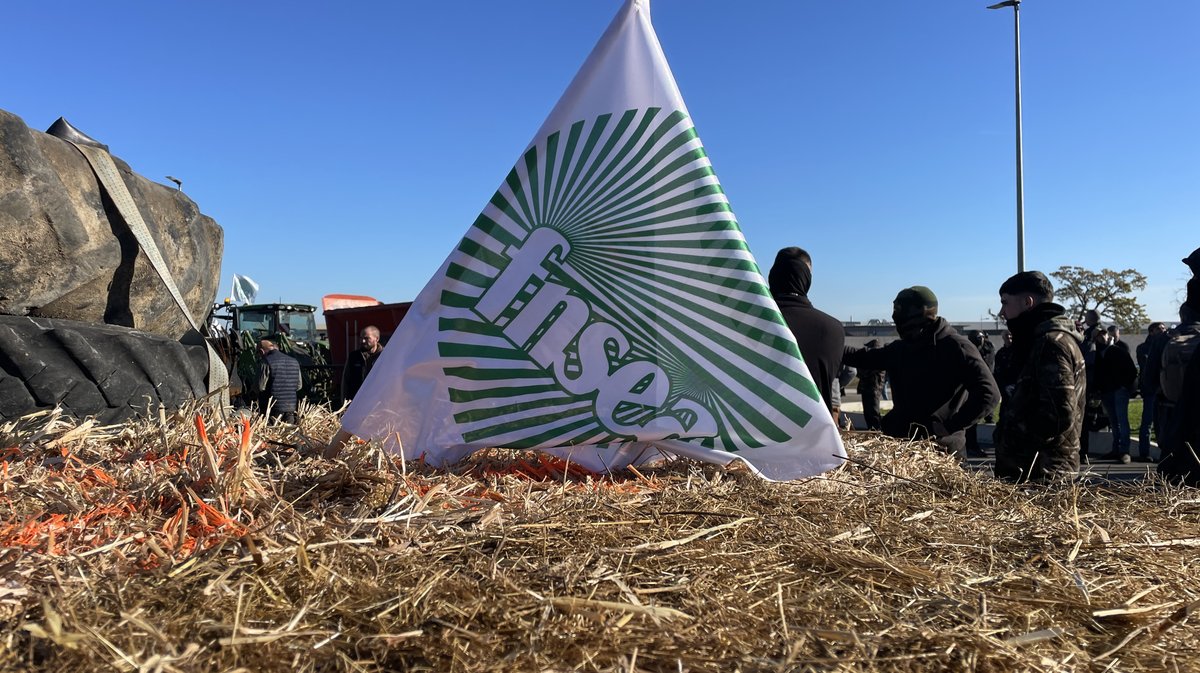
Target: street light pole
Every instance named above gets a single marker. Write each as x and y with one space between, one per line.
1016 5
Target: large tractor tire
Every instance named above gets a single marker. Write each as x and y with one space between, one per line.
102 371
67 253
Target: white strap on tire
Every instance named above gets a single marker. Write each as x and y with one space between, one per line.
102 164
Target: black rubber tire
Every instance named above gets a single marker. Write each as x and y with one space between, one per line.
103 371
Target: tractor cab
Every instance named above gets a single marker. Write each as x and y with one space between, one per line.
297 321
238 329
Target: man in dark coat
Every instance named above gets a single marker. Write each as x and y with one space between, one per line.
870 388
359 364
820 336
1094 418
1037 436
1005 369
940 384
1116 378
1148 370
986 350
1114 338
279 382
1091 323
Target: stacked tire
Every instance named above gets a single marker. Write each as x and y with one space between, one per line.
103 371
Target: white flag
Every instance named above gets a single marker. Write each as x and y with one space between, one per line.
244 289
604 307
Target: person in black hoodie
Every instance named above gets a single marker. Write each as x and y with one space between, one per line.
820 336
940 383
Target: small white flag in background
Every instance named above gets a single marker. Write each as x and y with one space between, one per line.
604 307
244 289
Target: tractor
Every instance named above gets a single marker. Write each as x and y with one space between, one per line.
237 329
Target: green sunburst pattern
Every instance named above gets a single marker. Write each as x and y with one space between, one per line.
654 250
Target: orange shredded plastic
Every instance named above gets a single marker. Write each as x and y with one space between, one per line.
246 432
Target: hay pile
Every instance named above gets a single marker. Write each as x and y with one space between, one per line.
181 546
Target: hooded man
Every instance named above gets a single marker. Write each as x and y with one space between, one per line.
1037 436
940 383
819 335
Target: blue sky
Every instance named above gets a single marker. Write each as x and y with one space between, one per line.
345 148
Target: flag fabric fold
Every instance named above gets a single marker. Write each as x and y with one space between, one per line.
244 290
604 306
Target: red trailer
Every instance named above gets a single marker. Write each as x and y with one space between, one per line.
346 315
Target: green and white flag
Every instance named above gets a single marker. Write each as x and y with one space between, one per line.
604 307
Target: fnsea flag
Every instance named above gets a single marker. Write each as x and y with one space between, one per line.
604 307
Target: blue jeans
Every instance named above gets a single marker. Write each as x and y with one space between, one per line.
1116 406
1147 423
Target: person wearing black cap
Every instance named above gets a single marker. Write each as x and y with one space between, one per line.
819 335
940 384
1037 436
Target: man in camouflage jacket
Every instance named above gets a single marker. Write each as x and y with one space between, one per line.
1037 438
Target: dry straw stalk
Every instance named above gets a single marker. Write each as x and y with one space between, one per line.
218 546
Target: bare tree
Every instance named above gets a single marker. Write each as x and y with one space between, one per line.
1108 292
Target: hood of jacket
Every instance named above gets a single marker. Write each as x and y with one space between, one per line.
1059 323
1040 320
926 330
789 278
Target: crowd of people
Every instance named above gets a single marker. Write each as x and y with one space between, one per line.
1052 383
276 387
1054 380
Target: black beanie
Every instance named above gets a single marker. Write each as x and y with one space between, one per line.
1193 294
1029 282
1192 301
913 306
1193 261
916 297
